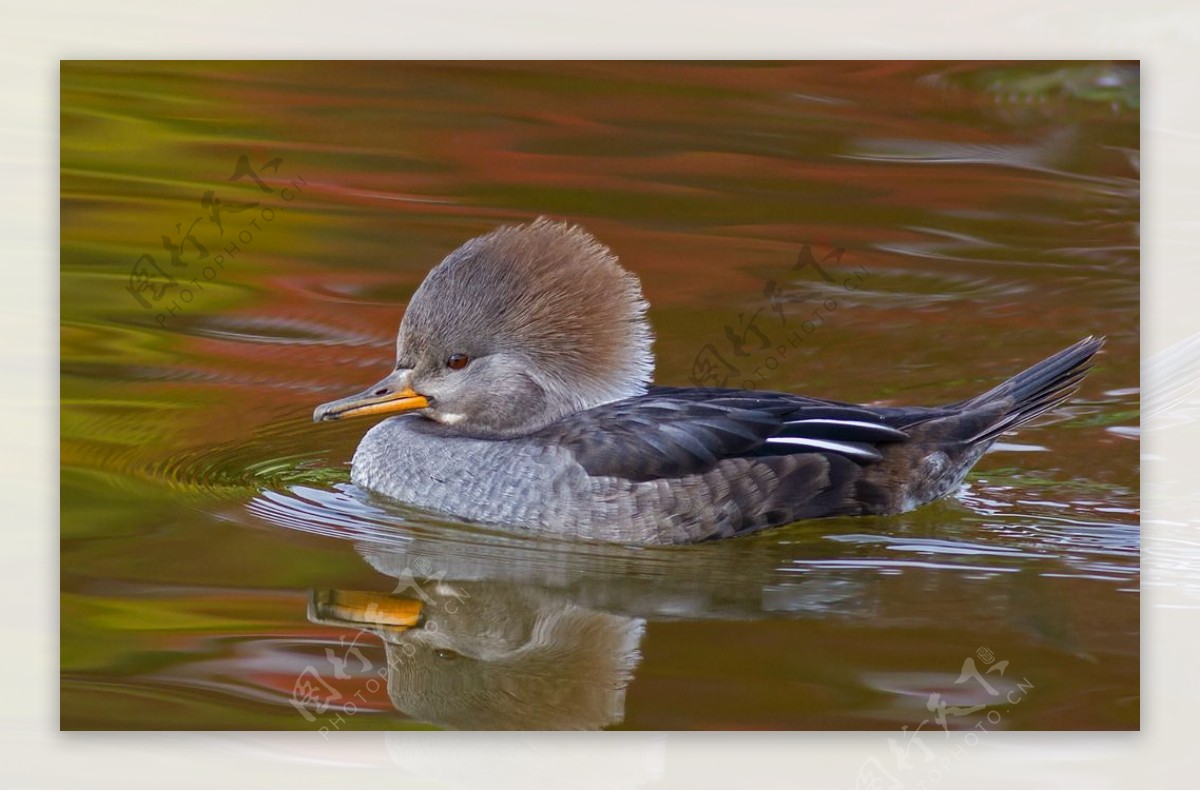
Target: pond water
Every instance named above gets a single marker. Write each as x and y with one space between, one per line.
239 241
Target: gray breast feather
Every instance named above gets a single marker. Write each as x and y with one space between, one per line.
649 470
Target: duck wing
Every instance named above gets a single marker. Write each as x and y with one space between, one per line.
677 432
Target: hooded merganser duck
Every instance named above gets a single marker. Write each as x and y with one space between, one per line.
523 365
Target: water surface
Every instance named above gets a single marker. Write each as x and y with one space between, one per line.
238 244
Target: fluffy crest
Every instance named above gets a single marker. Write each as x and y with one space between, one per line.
548 291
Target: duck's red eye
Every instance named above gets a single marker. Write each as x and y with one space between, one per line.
457 362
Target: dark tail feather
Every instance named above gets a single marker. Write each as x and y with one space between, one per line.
1035 390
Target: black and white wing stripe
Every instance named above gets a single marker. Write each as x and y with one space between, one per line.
848 435
673 432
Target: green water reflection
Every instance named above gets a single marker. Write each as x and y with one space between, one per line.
993 207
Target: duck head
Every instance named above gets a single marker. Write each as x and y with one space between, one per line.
512 331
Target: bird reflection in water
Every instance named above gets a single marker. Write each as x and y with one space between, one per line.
517 635
492 655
